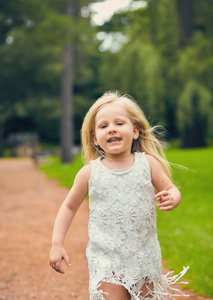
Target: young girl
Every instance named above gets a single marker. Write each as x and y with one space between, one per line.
125 166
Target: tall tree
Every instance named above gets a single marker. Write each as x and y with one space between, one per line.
54 32
185 21
166 61
70 53
68 57
195 99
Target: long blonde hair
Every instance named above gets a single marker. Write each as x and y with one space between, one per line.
146 141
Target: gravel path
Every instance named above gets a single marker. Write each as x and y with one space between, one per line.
28 205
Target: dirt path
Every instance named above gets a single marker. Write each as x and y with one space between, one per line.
28 206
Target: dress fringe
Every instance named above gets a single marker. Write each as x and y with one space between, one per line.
164 290
165 287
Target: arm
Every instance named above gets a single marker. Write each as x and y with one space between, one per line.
65 216
168 195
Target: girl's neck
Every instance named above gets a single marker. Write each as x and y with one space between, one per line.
117 163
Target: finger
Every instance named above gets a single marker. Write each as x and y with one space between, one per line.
67 260
161 194
165 199
167 205
166 208
164 203
52 264
58 267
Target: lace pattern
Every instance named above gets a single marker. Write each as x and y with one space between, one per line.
123 244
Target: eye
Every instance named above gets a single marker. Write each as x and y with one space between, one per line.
103 126
119 123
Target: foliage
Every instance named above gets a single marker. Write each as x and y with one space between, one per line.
195 73
136 72
153 57
154 65
33 35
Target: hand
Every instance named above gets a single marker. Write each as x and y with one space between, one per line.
165 200
57 254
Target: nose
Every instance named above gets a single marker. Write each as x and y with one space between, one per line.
111 128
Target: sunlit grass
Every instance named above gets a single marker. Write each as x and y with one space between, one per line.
64 173
186 233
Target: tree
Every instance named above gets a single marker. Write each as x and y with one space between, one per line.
140 67
68 56
185 21
35 34
166 61
28 68
72 9
195 71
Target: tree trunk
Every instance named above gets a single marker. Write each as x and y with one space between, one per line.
193 134
185 21
67 96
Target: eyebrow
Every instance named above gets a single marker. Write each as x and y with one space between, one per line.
120 118
100 123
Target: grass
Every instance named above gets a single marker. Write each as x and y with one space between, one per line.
64 173
186 233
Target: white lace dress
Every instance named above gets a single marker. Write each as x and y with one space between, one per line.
123 244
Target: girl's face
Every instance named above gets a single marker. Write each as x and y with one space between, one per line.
114 132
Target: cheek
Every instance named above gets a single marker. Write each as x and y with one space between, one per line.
99 135
129 133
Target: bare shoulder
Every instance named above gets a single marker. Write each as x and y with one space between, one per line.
155 165
79 188
84 173
152 161
159 178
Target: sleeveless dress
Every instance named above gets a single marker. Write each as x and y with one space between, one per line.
123 245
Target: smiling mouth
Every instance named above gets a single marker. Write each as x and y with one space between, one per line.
114 139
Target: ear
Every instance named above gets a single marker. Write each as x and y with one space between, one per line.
136 133
93 137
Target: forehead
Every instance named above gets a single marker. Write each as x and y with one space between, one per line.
111 110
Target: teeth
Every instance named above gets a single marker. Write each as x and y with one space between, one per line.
113 139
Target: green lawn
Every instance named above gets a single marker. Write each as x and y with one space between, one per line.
64 173
186 233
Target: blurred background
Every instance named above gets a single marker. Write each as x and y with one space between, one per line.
57 57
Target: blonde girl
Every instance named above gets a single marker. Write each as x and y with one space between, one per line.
125 165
